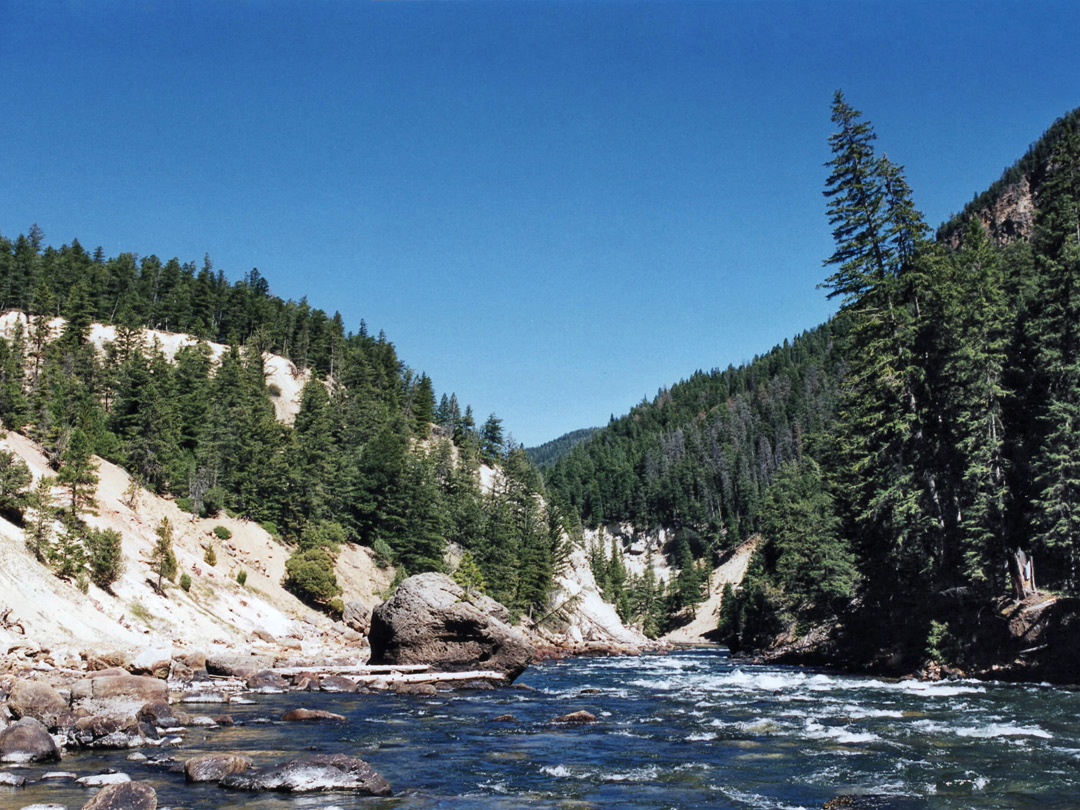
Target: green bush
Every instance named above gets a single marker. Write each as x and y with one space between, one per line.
105 556
309 574
241 577
185 582
222 532
384 555
322 534
185 504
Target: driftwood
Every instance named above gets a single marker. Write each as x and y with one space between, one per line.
361 669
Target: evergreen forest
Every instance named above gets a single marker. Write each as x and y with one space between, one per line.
371 458
895 457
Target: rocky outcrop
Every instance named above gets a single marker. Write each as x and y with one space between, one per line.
431 620
312 774
357 616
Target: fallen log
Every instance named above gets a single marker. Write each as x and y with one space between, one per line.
361 669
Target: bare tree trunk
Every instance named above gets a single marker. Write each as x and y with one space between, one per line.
1022 573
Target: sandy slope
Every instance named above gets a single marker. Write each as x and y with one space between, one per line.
730 572
217 612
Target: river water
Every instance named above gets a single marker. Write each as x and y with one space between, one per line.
688 730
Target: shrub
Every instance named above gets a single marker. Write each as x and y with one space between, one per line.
322 534
185 582
384 555
241 577
105 556
185 504
309 574
273 389
210 557
222 532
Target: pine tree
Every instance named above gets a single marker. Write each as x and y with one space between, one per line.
163 558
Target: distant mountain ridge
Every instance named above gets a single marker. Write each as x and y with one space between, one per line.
548 453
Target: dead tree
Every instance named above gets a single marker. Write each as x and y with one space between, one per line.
1022 574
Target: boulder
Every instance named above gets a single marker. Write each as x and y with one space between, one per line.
296 715
237 665
213 767
27 740
267 681
431 620
311 774
126 796
357 616
155 662
159 713
337 683
38 700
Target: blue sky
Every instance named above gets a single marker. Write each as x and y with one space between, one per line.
554 209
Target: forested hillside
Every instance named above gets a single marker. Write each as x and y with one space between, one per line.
370 458
896 457
549 452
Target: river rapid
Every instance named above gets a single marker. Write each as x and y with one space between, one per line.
687 730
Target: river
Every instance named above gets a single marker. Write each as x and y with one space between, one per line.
687 731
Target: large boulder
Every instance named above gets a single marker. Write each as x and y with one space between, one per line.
431 620
27 741
38 700
118 695
312 774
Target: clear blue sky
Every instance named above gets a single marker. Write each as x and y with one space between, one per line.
553 209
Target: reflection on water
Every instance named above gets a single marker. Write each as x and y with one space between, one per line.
687 730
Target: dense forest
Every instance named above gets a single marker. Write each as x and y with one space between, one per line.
894 457
371 458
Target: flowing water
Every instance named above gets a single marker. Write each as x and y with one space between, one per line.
687 730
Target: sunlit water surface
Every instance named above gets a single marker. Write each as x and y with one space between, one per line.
683 731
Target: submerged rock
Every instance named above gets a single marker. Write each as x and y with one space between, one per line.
103 779
431 620
313 774
9 779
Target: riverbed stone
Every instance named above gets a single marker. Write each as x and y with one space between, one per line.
126 796
158 712
213 767
9 779
313 774
430 619
103 779
38 700
27 740
267 680
337 683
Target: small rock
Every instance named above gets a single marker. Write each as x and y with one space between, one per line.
126 796
158 712
9 779
58 776
224 720
296 715
103 779
576 718
212 767
203 696
44 807
504 718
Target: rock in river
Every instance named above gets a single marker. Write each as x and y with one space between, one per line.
311 774
27 741
126 796
431 620
213 767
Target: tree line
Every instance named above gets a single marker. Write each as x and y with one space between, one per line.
371 458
